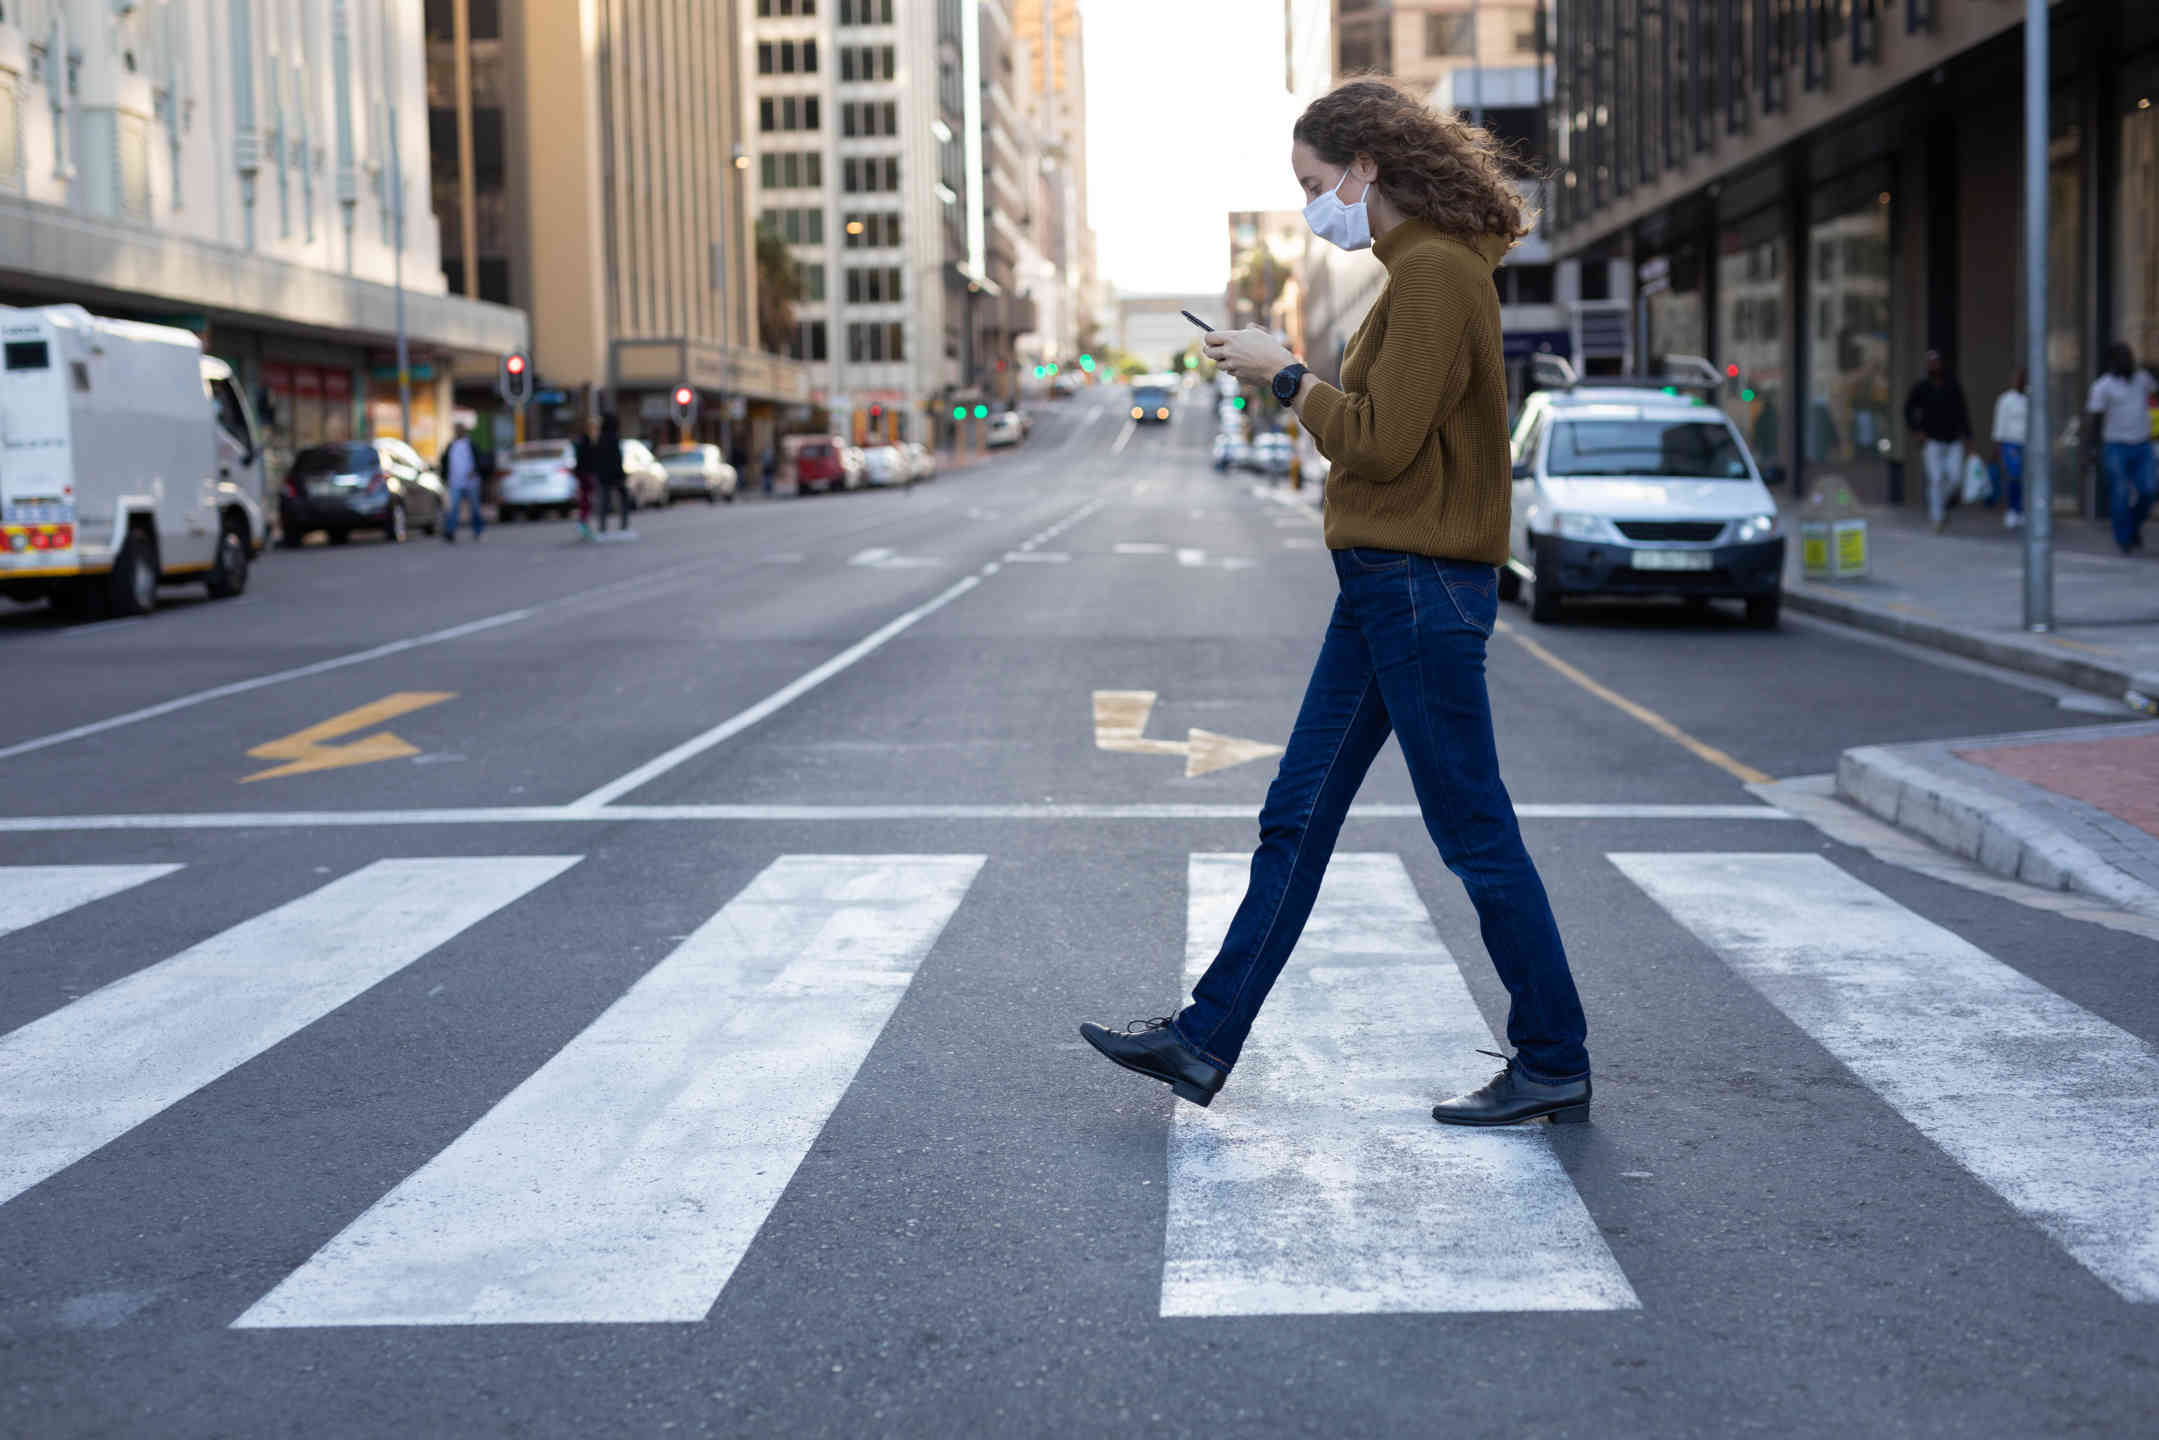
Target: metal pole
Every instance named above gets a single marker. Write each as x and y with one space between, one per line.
1476 65
2039 436
397 223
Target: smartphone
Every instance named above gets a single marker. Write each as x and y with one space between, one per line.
1197 321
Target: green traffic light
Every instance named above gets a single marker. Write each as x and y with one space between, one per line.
982 412
959 412
1747 395
1191 362
1671 389
1238 402
1087 363
1053 367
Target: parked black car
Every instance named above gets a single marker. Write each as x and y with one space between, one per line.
361 485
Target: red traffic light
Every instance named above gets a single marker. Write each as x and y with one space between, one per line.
683 395
515 364
1732 371
877 412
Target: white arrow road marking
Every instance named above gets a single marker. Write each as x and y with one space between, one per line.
625 1180
33 893
90 1072
1318 1183
1120 720
2051 1107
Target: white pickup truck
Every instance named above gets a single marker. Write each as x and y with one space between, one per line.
128 459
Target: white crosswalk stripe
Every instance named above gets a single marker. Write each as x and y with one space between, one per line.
30 894
2053 1108
1319 1182
626 1178
91 1071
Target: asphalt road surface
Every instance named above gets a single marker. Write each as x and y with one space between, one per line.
553 989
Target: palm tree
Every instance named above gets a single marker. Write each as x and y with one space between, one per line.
779 286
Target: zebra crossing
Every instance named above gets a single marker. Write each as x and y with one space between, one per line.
626 1178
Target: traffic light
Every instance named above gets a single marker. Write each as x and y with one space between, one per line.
516 383
959 412
684 403
1053 367
982 412
1087 363
877 412
1191 362
1238 402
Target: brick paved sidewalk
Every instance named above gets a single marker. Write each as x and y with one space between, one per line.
2070 809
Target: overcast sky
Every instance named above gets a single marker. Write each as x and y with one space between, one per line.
1188 118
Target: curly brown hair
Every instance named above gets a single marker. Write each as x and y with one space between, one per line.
1433 165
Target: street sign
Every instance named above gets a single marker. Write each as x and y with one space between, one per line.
551 397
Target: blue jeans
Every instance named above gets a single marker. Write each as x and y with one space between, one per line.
2013 474
1404 653
2131 486
460 497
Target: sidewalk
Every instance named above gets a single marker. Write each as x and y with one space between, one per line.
1963 591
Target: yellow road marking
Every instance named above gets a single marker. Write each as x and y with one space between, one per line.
1736 768
1120 717
308 750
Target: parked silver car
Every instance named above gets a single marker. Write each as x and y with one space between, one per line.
541 477
696 472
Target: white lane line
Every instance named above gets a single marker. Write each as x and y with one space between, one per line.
1191 558
1318 1183
624 1181
33 893
616 814
1081 428
2049 1106
779 699
802 685
95 1069
340 662
1140 547
1124 437
1039 557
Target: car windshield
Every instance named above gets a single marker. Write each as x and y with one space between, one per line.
682 454
335 460
1687 449
543 450
1149 395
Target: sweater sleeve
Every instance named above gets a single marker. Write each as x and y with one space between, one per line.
1418 375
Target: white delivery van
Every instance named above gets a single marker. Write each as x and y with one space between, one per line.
128 459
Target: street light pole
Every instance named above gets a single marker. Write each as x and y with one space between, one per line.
1476 66
2038 435
397 229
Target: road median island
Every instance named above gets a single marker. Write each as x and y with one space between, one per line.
2072 810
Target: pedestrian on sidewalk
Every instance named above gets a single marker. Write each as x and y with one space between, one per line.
584 453
614 484
2120 426
2012 417
1936 410
1416 521
460 470
768 464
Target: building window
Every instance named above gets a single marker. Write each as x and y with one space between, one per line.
792 170
870 344
1524 284
868 62
787 57
767 9
870 174
1449 34
877 285
1850 411
787 112
813 281
803 226
809 341
865 12
873 230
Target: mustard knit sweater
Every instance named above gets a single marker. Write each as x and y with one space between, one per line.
1418 431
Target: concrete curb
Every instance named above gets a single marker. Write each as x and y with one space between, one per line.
2006 826
2029 655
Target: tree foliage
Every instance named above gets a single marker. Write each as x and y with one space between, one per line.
779 286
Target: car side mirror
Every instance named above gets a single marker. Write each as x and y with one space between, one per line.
1522 471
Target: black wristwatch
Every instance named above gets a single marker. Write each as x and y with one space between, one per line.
1286 381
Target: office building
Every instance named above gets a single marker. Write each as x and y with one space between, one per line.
1820 192
236 169
588 167
1068 308
1419 42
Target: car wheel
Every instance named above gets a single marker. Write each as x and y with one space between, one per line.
712 497
339 537
393 529
228 573
1542 596
505 514
131 589
562 512
1510 584
1763 611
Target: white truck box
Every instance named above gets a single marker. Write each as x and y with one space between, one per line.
128 459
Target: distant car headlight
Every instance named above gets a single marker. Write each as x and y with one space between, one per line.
1757 527
1577 526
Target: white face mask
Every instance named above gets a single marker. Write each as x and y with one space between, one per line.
1346 225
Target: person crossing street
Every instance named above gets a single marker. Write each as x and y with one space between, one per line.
461 474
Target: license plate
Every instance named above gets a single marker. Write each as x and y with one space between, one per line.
1673 560
321 488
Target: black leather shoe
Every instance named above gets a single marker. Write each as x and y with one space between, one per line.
1513 1095
1153 1049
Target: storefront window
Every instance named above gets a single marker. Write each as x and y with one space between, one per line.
2067 376
1851 406
1678 324
1752 298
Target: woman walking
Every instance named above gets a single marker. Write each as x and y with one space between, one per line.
1416 521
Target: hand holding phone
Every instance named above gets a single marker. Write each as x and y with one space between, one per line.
1197 321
